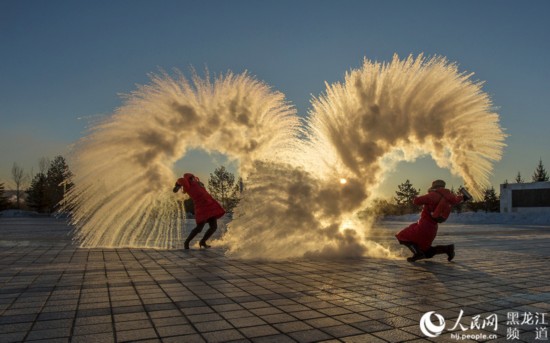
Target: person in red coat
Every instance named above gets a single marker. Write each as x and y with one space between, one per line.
207 209
418 237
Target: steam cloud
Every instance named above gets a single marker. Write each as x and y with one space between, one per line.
294 204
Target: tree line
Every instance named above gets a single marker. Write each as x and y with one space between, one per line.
540 175
48 187
402 202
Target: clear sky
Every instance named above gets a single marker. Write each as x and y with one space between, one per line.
64 63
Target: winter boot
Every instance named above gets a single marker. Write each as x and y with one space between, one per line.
442 249
417 253
213 226
450 252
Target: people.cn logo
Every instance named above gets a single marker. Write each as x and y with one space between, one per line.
430 329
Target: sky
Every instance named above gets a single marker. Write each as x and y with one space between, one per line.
65 64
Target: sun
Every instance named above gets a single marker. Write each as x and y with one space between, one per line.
343 181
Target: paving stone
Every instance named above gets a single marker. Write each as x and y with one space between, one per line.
13 336
280 338
93 329
136 334
245 322
215 325
49 333
340 331
223 336
292 326
258 331
196 338
53 291
95 338
175 330
312 335
133 325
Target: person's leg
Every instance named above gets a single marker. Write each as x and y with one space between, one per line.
417 253
442 249
213 226
192 234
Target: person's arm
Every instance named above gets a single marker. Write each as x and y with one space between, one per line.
422 200
455 199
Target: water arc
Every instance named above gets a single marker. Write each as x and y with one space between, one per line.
124 167
294 204
381 114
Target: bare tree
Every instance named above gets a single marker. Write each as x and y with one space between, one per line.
18 177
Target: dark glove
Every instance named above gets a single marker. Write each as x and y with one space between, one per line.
465 194
176 188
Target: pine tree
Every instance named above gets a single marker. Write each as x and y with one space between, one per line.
37 194
519 179
48 188
540 174
222 187
491 202
405 196
458 208
58 182
4 203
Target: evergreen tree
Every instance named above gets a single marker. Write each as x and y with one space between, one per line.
48 188
458 208
222 187
58 182
4 203
405 196
491 202
37 194
540 174
519 179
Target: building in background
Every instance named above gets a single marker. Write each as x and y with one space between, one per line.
525 197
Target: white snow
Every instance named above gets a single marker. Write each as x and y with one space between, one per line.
528 218
19 214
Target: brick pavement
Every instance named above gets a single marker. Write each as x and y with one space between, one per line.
52 291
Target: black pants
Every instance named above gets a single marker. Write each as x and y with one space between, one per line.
438 249
431 252
213 226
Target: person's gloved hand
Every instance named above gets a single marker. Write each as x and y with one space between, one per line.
176 188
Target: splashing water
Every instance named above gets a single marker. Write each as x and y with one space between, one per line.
294 203
124 168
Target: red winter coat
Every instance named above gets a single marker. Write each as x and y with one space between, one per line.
206 207
424 231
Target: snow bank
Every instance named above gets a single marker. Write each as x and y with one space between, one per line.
20 214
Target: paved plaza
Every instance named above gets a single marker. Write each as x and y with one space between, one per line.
497 289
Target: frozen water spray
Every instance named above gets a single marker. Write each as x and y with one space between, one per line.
304 184
124 167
